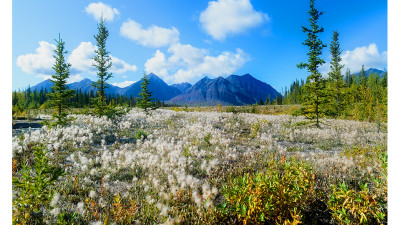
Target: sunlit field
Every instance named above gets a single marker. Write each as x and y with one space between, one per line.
172 167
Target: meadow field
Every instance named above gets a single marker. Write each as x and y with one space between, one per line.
182 167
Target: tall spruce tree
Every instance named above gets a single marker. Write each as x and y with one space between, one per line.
102 64
362 77
145 100
348 78
314 87
60 96
336 83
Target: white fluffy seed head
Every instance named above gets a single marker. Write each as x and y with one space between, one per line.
92 194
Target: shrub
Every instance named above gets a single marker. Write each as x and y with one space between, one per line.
123 213
231 109
350 206
276 196
219 108
255 128
34 188
207 140
367 202
141 134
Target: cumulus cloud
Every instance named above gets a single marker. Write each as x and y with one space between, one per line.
369 56
123 84
81 60
39 63
187 63
158 64
228 17
120 66
97 10
153 36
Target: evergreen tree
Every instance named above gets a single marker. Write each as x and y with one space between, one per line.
60 95
144 101
336 82
383 80
268 100
41 97
362 77
14 98
348 78
102 64
315 93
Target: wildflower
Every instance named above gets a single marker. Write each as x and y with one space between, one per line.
107 178
80 207
93 171
197 198
208 204
96 223
214 191
149 199
55 200
206 191
164 211
102 202
92 194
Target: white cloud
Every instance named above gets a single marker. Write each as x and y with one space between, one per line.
158 64
153 36
81 60
100 9
39 63
369 56
186 54
227 17
120 66
188 64
123 84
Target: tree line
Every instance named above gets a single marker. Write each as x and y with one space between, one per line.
28 99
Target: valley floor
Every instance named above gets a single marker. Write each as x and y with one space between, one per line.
173 166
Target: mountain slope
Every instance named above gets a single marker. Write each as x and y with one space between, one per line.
234 90
84 85
158 88
42 85
253 87
182 86
373 70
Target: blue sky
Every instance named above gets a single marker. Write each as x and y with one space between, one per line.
183 41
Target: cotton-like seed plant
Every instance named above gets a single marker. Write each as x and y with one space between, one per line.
177 173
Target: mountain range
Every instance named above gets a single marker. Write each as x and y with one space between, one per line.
373 70
233 90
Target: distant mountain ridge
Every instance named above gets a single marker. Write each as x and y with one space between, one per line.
160 90
182 86
372 70
233 90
